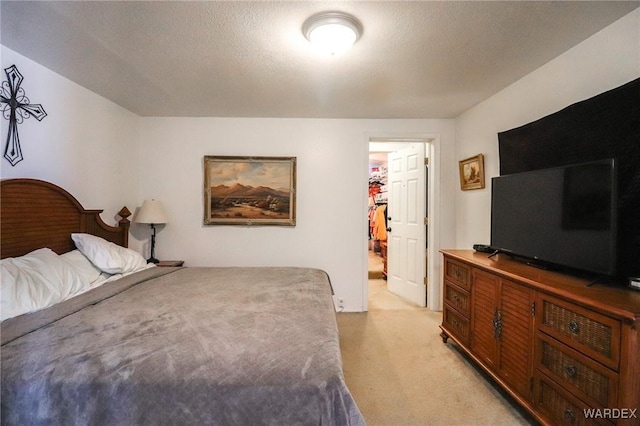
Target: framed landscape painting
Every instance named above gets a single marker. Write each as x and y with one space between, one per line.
249 190
472 173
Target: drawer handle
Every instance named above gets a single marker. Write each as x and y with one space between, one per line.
571 371
569 416
574 327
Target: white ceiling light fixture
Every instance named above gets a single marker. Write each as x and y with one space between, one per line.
332 32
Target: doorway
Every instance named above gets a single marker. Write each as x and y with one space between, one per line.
404 250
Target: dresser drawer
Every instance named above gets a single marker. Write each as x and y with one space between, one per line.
590 380
457 298
458 273
456 325
561 407
587 331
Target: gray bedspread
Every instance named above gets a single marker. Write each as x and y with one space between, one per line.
192 346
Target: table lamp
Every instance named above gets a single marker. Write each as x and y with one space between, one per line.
152 213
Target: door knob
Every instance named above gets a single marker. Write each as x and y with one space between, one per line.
389 229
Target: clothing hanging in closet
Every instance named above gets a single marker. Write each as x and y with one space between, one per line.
380 223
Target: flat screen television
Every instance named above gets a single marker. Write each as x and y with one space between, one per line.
564 216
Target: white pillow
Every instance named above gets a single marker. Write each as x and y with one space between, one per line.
109 257
83 265
35 281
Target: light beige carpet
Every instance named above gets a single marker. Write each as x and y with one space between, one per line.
401 373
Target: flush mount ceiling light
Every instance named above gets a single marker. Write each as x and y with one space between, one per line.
332 32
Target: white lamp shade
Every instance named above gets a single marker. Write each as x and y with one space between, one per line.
151 212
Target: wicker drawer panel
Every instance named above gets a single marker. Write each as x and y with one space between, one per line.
562 408
572 370
458 273
587 331
457 298
457 325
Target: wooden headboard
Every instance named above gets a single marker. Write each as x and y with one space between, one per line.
36 214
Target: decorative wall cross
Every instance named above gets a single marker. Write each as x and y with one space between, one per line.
16 108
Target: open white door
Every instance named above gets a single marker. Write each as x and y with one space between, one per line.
406 235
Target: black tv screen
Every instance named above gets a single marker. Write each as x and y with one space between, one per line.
564 216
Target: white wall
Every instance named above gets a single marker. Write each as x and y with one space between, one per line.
85 144
107 157
332 178
606 60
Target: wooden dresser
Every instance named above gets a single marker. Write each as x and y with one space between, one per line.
568 352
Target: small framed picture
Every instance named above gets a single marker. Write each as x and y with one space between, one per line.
472 173
249 190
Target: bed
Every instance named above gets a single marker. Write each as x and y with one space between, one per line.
221 346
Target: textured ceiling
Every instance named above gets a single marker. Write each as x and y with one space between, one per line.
249 58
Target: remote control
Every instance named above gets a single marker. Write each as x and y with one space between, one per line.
483 248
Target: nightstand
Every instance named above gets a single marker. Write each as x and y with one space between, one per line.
170 263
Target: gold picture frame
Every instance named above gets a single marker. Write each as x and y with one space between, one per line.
472 173
249 190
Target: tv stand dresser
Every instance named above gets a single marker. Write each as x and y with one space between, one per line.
569 353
